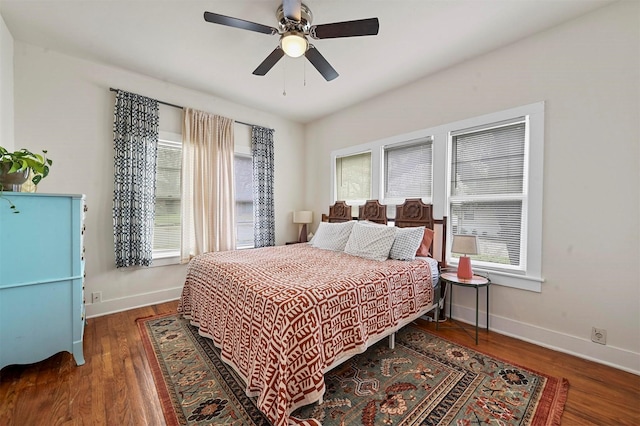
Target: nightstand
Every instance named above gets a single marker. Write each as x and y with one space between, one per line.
477 281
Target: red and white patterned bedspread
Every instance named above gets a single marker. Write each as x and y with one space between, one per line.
283 315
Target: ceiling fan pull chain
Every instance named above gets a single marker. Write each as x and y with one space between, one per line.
284 78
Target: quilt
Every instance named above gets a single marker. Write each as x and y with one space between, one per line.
284 315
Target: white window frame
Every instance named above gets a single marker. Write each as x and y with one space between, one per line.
530 278
529 275
167 257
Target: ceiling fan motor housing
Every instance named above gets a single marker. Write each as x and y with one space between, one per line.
285 24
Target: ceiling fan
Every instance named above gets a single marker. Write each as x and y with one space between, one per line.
294 28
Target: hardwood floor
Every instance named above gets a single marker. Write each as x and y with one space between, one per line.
115 386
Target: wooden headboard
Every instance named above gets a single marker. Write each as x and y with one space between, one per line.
413 212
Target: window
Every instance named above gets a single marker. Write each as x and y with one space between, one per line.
408 171
243 171
353 178
484 174
166 231
487 191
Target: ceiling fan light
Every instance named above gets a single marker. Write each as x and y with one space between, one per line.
294 44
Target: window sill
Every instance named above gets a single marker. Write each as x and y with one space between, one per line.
165 259
509 279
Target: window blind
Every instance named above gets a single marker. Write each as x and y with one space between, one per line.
243 176
408 170
487 190
166 235
353 177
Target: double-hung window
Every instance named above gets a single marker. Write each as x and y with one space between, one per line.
243 186
353 178
487 191
408 171
166 230
243 177
494 169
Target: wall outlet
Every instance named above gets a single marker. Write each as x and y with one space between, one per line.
599 335
96 297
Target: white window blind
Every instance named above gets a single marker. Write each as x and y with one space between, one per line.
166 232
408 170
353 177
488 190
243 175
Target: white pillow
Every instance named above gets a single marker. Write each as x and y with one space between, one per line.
370 242
332 236
406 243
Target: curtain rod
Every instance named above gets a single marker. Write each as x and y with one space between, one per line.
111 89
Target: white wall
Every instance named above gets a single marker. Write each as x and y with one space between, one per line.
6 87
63 104
588 73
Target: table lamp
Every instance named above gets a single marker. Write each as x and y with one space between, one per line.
464 245
303 217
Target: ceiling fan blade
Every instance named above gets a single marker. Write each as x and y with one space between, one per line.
360 27
321 64
292 9
215 18
269 62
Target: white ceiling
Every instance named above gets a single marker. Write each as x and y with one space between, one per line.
169 40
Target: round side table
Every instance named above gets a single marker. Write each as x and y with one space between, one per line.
476 282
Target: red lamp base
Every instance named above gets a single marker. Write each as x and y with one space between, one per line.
464 268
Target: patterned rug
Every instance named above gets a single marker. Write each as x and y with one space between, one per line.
425 380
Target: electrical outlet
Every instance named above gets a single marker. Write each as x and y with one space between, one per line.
96 297
599 335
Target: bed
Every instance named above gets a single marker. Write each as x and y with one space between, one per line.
283 316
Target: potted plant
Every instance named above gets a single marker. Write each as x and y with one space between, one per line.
15 168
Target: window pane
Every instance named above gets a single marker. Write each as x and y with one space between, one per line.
497 224
166 233
489 161
408 171
243 169
353 177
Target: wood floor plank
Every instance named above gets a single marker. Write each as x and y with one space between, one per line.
115 386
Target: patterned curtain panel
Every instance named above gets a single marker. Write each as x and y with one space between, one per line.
135 139
263 209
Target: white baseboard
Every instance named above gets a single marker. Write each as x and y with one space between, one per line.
112 306
581 347
612 356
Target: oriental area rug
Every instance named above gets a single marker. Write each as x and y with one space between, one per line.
425 380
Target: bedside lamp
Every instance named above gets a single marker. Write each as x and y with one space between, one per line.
464 245
303 217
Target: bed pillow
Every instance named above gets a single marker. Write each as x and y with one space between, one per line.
423 251
370 242
332 236
406 243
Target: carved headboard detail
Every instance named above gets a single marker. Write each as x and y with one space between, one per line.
413 212
373 211
339 212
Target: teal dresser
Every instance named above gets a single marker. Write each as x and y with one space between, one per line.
41 277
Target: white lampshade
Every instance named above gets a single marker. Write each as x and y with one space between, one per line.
294 44
465 244
303 216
